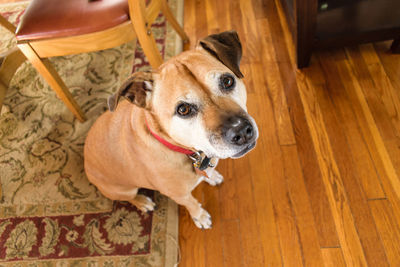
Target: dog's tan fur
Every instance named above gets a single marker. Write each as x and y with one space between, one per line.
122 156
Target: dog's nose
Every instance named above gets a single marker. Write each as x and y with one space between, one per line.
238 130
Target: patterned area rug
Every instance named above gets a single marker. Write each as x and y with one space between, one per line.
50 215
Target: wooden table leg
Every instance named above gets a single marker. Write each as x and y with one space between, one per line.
395 46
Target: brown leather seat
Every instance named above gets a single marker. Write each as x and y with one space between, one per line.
44 19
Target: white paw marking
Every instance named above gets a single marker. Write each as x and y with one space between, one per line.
203 221
215 179
144 203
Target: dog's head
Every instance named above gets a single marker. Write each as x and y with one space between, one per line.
198 98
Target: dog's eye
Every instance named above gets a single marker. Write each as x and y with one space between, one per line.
227 82
185 110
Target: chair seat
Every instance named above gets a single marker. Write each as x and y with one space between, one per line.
45 19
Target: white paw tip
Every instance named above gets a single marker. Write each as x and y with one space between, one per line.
204 220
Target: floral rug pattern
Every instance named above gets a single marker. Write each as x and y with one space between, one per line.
49 213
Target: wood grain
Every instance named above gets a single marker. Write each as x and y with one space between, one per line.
388 228
333 257
85 43
275 87
360 157
307 231
190 239
249 235
344 222
231 243
212 240
369 238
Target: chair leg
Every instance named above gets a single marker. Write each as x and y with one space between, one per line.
3 90
44 67
171 19
10 62
5 23
137 13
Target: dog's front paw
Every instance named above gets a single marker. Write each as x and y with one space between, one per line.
203 220
215 179
143 203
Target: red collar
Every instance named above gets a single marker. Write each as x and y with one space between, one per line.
168 144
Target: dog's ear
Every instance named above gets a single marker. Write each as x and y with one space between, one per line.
136 89
226 47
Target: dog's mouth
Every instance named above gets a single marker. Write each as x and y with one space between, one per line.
244 151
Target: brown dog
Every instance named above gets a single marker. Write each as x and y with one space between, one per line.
178 121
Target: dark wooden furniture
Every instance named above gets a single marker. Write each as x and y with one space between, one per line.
331 23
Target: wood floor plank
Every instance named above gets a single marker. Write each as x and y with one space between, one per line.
252 38
228 194
191 241
231 243
200 27
189 22
298 194
367 232
212 22
260 173
213 237
236 24
312 174
223 16
388 228
382 118
390 62
333 257
252 248
388 95
259 8
347 233
282 204
275 86
370 134
358 98
367 175
286 32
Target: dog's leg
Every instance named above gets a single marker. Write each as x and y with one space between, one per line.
199 215
214 177
143 203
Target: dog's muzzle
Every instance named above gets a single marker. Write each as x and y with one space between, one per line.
239 131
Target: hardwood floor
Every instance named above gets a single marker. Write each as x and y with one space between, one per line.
322 186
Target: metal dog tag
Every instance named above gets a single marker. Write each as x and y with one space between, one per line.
201 161
204 163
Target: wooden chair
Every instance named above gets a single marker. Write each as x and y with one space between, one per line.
57 28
